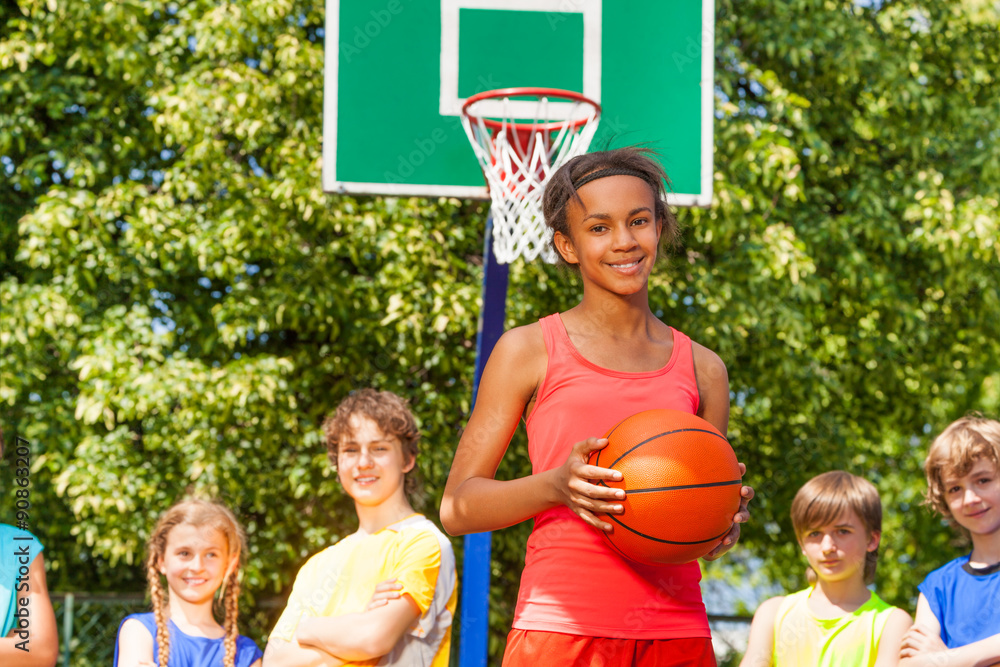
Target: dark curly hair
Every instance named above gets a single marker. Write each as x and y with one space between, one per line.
636 161
390 412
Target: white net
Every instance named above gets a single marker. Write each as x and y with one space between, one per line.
518 158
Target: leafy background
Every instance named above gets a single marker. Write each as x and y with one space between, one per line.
182 304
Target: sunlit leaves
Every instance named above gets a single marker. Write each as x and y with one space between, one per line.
855 243
182 304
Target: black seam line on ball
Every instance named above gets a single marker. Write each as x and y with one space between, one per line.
657 539
660 435
617 548
597 461
686 486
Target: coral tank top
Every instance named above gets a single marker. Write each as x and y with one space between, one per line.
573 582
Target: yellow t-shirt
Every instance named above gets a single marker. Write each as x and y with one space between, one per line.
341 579
801 639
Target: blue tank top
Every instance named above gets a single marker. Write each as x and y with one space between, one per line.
19 549
964 601
188 651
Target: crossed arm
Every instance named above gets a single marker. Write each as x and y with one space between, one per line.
280 653
922 645
329 641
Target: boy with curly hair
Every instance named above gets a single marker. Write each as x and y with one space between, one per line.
958 612
385 594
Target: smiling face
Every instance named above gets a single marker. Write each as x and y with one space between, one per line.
837 551
974 498
613 237
371 464
195 562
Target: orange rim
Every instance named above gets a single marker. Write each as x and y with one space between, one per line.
529 91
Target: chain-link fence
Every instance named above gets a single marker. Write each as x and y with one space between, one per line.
88 626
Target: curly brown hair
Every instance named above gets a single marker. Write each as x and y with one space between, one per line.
388 410
637 161
955 452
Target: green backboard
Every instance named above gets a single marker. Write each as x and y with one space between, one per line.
398 72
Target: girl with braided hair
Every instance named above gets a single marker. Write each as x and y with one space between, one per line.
196 548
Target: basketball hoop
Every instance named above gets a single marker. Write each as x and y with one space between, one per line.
521 137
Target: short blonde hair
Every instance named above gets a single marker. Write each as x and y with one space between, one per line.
955 451
825 497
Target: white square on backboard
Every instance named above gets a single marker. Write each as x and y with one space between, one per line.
451 103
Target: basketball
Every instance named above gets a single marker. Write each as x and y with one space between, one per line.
681 482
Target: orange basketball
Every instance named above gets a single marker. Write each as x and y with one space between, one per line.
682 486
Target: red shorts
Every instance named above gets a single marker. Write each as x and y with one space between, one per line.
530 648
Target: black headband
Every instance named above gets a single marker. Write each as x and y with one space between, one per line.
609 171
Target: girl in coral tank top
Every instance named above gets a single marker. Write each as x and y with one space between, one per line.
572 376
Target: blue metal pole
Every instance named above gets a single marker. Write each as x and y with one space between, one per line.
476 566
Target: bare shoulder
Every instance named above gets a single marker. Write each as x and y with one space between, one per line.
760 644
513 372
769 608
900 618
520 355
524 342
890 641
708 364
133 629
713 387
135 644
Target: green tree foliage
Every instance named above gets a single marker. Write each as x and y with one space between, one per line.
182 304
849 272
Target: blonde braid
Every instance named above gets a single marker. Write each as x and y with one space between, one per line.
231 598
197 513
159 613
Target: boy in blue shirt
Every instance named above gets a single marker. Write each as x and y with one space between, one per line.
958 612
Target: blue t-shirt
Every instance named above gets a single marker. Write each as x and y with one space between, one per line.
18 549
965 601
188 651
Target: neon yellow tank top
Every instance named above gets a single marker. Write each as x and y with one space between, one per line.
803 640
